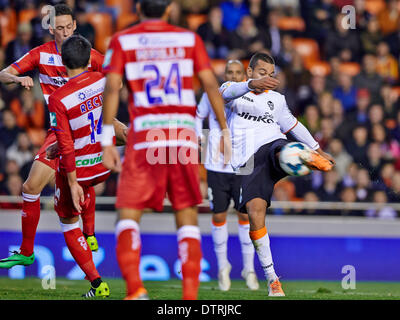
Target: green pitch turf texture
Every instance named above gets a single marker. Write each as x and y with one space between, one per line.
31 289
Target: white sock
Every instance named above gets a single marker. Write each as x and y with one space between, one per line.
261 244
247 247
220 239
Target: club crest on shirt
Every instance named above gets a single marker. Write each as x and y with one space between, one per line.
270 105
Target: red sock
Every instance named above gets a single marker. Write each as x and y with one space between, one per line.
80 250
88 216
128 254
189 249
30 220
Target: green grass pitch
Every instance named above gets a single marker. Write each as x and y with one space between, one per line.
31 289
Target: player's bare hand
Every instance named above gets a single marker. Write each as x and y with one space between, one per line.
264 83
226 146
111 159
25 82
52 151
78 196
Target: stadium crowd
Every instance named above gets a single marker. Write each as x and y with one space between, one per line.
342 84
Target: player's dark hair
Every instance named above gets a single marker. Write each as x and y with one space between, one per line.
75 52
62 9
154 8
260 56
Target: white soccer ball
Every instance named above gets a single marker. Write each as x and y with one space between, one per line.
289 159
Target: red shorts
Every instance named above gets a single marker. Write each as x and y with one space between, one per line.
143 185
63 200
41 155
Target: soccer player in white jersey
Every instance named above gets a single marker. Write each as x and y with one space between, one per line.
259 120
224 185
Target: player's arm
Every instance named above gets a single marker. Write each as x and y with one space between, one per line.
111 158
289 124
60 125
210 86
233 90
121 132
10 75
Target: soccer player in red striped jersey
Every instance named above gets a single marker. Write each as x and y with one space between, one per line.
158 61
76 118
52 75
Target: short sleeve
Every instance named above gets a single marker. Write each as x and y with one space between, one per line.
28 62
286 120
200 56
114 60
96 61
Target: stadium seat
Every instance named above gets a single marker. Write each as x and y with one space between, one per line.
291 24
126 19
195 20
319 68
102 23
8 26
308 50
124 6
374 6
27 15
351 68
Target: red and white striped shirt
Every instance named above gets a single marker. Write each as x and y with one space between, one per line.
76 117
52 72
159 61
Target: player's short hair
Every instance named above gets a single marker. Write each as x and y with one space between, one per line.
154 8
260 56
75 52
62 9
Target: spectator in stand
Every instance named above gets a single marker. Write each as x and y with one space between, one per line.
258 10
394 192
214 35
341 156
193 6
386 64
349 179
309 94
325 103
387 173
297 75
371 36
12 187
333 76
362 15
273 33
20 150
357 145
287 52
337 113
290 95
311 119
375 161
246 40
395 133
330 186
393 39
232 12
30 115
390 147
21 44
368 78
384 211
347 195
346 92
342 42
320 22
311 196
389 17
376 114
363 186
325 135
390 102
83 27
9 129
24 172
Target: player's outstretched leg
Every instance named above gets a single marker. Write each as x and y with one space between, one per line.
248 273
219 233
39 176
82 254
258 234
128 248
